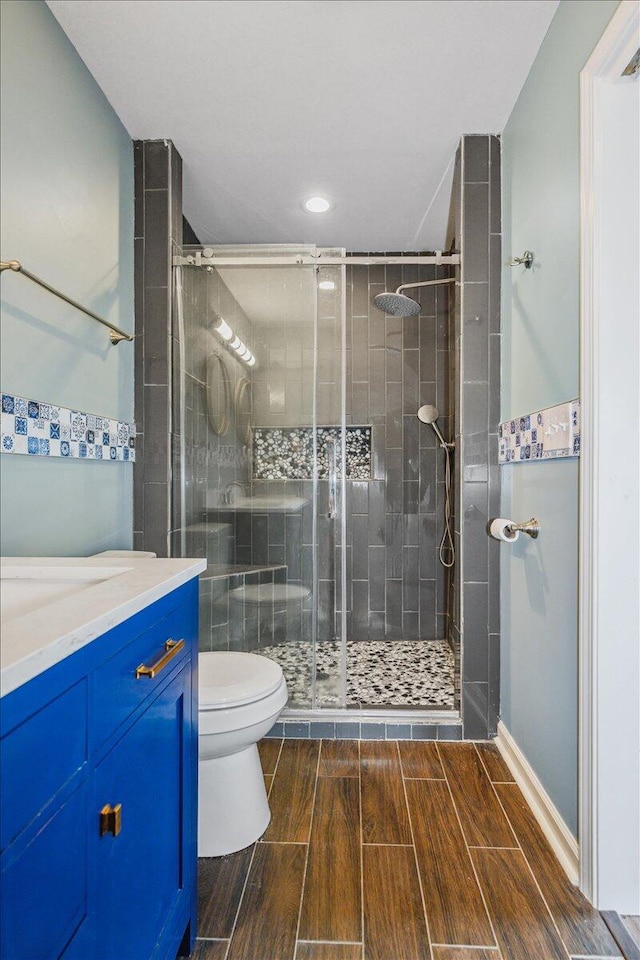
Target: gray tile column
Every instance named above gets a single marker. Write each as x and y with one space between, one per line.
476 355
158 235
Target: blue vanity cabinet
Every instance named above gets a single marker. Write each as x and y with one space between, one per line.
99 845
138 874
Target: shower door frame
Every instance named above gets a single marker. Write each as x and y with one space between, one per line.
316 708
233 258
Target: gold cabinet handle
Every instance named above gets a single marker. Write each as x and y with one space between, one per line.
111 819
171 648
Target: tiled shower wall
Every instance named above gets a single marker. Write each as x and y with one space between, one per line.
476 394
158 236
398 589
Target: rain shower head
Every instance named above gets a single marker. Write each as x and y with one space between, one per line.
397 305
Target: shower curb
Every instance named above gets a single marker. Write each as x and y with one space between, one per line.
347 729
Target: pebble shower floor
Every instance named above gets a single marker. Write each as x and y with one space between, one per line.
399 673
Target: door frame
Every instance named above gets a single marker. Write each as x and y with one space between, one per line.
609 726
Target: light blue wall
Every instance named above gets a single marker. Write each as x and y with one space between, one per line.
540 317
67 214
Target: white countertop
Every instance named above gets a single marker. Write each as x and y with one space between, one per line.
33 641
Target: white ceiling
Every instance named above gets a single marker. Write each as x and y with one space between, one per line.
271 101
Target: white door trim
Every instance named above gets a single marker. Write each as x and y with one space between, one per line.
613 52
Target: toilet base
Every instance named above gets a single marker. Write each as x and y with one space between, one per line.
233 810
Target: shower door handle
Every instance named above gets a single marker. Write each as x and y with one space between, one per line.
332 464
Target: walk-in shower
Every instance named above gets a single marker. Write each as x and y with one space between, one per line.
305 477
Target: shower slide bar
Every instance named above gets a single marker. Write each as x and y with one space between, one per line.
115 334
306 260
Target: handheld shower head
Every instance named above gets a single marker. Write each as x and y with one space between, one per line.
428 413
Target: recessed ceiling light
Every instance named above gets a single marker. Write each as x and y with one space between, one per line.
317 205
326 285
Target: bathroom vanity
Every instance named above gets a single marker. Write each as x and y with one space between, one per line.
98 758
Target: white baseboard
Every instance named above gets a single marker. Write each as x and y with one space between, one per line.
563 843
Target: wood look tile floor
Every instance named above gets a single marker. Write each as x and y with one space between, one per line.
394 851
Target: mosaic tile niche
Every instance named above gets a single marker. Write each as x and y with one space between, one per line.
47 430
287 453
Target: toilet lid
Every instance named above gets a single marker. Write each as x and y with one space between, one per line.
231 679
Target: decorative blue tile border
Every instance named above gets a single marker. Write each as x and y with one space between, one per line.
286 453
47 430
547 434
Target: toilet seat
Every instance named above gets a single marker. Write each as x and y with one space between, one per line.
234 679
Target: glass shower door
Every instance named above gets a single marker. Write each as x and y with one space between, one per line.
330 441
262 461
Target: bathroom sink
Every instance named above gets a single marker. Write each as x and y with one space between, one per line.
257 504
25 589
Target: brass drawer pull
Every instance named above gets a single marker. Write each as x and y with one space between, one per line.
111 819
171 648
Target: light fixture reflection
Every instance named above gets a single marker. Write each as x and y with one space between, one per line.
233 341
326 285
223 328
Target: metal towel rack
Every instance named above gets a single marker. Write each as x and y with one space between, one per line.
115 334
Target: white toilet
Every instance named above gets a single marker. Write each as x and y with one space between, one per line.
241 697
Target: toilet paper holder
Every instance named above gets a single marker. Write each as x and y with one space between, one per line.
532 527
508 531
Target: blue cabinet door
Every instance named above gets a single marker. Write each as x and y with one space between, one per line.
43 881
137 876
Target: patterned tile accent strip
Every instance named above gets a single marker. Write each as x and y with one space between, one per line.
542 435
286 453
45 430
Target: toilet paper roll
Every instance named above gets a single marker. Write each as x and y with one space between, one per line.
501 529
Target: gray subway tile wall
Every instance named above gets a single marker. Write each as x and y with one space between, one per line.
395 366
476 404
158 232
